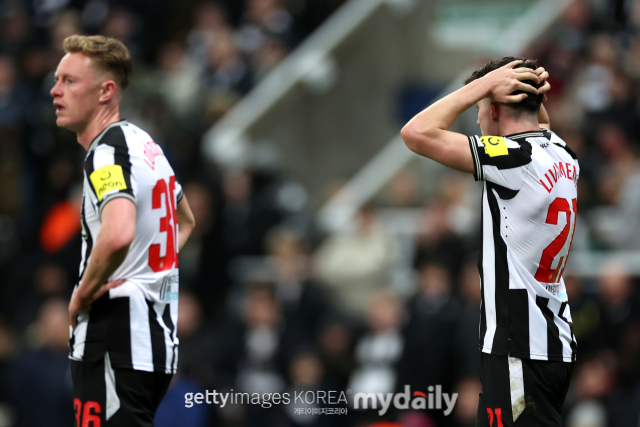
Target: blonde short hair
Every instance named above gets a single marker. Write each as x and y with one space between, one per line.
106 53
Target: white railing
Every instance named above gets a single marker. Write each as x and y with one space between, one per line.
338 211
310 64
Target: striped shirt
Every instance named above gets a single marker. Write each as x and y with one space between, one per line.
135 323
528 219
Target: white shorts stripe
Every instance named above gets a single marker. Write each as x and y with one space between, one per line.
516 380
112 401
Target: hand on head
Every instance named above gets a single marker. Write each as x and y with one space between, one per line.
543 76
503 82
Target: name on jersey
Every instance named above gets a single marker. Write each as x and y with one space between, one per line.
151 151
559 170
494 146
107 179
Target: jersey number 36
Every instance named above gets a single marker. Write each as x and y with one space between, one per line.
168 224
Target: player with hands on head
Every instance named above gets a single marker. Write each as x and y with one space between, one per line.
529 213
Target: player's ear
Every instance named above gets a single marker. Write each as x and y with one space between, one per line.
108 90
495 109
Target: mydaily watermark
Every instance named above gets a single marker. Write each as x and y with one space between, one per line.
434 399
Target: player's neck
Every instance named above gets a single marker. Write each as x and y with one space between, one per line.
97 124
509 127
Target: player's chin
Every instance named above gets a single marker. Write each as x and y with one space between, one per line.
64 122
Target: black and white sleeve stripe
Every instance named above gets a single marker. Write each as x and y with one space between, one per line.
115 138
477 174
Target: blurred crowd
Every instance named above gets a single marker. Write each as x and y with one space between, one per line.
268 302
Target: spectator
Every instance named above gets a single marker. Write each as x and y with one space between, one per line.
618 303
356 265
335 343
197 343
430 355
41 372
7 354
303 301
379 350
466 409
307 374
258 348
179 80
436 240
467 337
256 352
173 412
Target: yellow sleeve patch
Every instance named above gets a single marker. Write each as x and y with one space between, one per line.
494 146
107 179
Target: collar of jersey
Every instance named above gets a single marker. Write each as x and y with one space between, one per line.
528 134
97 139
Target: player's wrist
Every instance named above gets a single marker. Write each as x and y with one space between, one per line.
482 88
83 295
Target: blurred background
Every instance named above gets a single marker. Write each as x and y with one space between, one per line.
326 255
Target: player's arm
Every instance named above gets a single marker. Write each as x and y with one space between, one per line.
543 116
186 221
117 231
428 132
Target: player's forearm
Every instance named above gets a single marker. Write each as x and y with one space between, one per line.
441 114
183 236
186 222
106 256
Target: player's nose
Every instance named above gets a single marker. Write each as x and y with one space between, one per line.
55 90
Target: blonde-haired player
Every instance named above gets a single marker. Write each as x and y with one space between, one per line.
123 311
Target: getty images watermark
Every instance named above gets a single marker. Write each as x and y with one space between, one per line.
434 399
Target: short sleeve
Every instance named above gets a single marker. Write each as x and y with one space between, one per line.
108 168
500 160
178 192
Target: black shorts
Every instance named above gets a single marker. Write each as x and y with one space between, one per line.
115 397
531 391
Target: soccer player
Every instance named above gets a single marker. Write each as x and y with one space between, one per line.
528 218
123 311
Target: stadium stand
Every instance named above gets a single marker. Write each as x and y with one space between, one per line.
268 301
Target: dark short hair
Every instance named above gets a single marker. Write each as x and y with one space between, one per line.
532 102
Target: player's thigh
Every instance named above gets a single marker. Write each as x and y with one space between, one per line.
89 392
545 389
494 404
116 397
522 393
139 394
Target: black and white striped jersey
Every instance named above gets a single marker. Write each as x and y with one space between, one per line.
528 220
134 323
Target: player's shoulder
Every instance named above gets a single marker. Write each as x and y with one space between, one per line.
113 135
495 146
559 142
123 134
497 141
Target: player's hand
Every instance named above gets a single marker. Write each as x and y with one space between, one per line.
501 83
79 304
543 76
